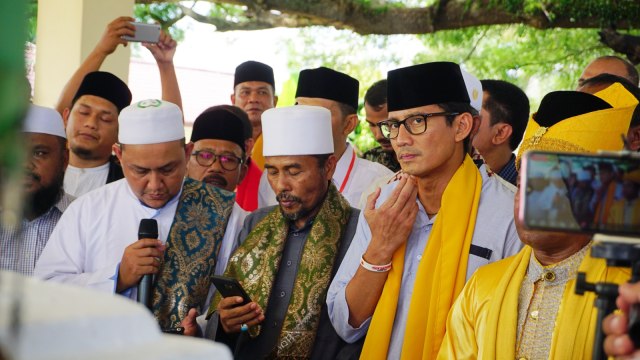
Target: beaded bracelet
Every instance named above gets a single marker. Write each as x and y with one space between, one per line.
374 268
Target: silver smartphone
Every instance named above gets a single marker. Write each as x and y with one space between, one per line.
148 33
581 192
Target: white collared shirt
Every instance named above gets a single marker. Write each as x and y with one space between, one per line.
79 181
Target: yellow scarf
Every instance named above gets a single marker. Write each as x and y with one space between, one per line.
440 277
575 323
256 153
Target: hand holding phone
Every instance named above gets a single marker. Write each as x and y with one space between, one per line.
228 287
147 33
236 310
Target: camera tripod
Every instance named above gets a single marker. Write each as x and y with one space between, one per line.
618 252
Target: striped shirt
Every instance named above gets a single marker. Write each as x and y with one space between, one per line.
21 256
508 171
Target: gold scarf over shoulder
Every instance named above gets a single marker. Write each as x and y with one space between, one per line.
440 277
255 265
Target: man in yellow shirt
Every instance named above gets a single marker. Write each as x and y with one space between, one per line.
525 306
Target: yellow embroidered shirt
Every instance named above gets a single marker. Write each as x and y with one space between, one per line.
483 322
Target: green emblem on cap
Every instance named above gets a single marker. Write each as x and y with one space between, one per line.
149 103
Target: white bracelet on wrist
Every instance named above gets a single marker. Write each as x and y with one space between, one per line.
374 268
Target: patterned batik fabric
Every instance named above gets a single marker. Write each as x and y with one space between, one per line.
386 158
191 252
255 264
540 297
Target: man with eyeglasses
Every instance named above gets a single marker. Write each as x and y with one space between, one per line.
421 237
219 138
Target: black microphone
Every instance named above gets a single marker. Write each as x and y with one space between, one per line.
148 230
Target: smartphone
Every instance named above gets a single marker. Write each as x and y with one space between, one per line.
588 193
230 287
148 33
175 331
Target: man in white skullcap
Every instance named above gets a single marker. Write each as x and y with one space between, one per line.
289 251
337 92
46 159
94 244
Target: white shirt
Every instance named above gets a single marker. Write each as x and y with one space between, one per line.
355 182
79 181
86 246
494 230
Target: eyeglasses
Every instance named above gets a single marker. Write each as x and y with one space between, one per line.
415 124
207 158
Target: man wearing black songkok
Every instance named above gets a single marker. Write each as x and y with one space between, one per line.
338 93
254 92
219 147
91 102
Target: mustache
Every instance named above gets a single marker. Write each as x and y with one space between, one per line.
287 197
218 178
33 176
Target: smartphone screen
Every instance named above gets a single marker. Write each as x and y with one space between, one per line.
581 193
230 287
148 33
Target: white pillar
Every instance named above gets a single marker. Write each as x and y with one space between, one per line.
67 32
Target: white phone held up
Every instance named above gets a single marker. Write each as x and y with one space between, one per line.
148 33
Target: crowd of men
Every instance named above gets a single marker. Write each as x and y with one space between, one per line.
410 251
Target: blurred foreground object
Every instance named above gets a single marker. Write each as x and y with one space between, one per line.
66 322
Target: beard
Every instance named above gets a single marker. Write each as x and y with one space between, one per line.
41 200
294 215
84 153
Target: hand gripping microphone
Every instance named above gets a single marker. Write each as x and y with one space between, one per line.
148 230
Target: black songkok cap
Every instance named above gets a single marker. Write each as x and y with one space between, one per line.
429 84
328 84
222 122
254 71
560 105
107 86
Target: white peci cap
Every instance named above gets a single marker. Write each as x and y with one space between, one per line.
474 89
150 122
297 130
43 120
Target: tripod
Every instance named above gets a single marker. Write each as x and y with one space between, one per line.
616 254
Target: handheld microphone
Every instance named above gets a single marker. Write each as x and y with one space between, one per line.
148 230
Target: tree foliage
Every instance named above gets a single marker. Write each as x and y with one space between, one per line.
537 60
540 45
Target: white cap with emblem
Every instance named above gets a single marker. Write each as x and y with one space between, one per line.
150 122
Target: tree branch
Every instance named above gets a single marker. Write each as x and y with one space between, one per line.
625 44
475 46
387 19
260 21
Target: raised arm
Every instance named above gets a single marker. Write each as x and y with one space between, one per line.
110 40
163 52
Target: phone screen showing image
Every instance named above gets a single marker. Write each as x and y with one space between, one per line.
580 192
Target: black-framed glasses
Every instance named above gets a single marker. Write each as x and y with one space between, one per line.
207 158
415 124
